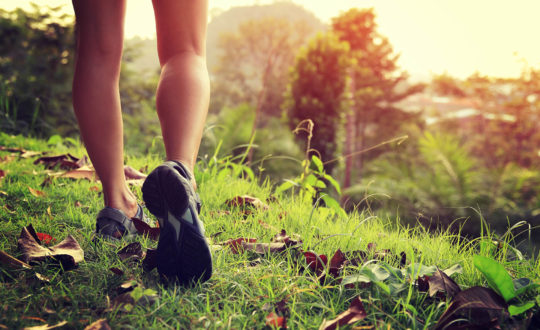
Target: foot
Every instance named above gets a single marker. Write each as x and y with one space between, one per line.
114 224
182 251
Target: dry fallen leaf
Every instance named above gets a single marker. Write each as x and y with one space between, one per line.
30 153
68 252
246 201
131 251
84 172
36 193
144 229
133 174
355 313
100 324
46 326
13 262
7 158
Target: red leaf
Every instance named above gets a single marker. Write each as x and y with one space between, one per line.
272 320
144 229
316 262
45 238
355 313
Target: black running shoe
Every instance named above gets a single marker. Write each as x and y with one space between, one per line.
182 251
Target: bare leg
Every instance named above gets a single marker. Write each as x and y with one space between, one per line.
184 88
96 97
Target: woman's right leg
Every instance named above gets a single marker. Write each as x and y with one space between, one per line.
184 88
182 105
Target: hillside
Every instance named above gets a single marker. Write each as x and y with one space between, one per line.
277 259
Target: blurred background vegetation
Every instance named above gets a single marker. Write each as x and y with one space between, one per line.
445 152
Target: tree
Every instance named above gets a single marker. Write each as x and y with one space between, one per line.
377 84
506 128
254 62
316 91
36 66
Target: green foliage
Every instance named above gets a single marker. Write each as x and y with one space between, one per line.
275 155
500 281
316 90
36 66
312 185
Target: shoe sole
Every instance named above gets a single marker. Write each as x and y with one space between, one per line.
182 251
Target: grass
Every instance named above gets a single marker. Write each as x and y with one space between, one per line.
241 293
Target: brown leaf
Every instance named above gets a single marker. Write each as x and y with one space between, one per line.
442 285
47 327
282 237
19 150
100 324
117 271
246 201
36 193
150 261
84 172
2 174
133 174
355 313
30 154
43 278
68 252
66 161
480 305
94 188
144 229
8 260
236 244
264 248
133 250
77 204
7 158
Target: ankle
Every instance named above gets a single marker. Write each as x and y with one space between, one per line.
125 202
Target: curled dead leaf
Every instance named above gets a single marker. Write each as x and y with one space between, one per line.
144 229
246 201
354 313
68 252
13 262
236 244
100 324
83 172
150 260
36 193
47 327
132 174
483 303
131 251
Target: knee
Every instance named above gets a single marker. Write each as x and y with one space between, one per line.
175 54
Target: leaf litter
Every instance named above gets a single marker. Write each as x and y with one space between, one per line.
68 252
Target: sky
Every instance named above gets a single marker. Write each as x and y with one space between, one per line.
460 37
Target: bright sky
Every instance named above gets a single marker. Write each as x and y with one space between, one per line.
433 36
